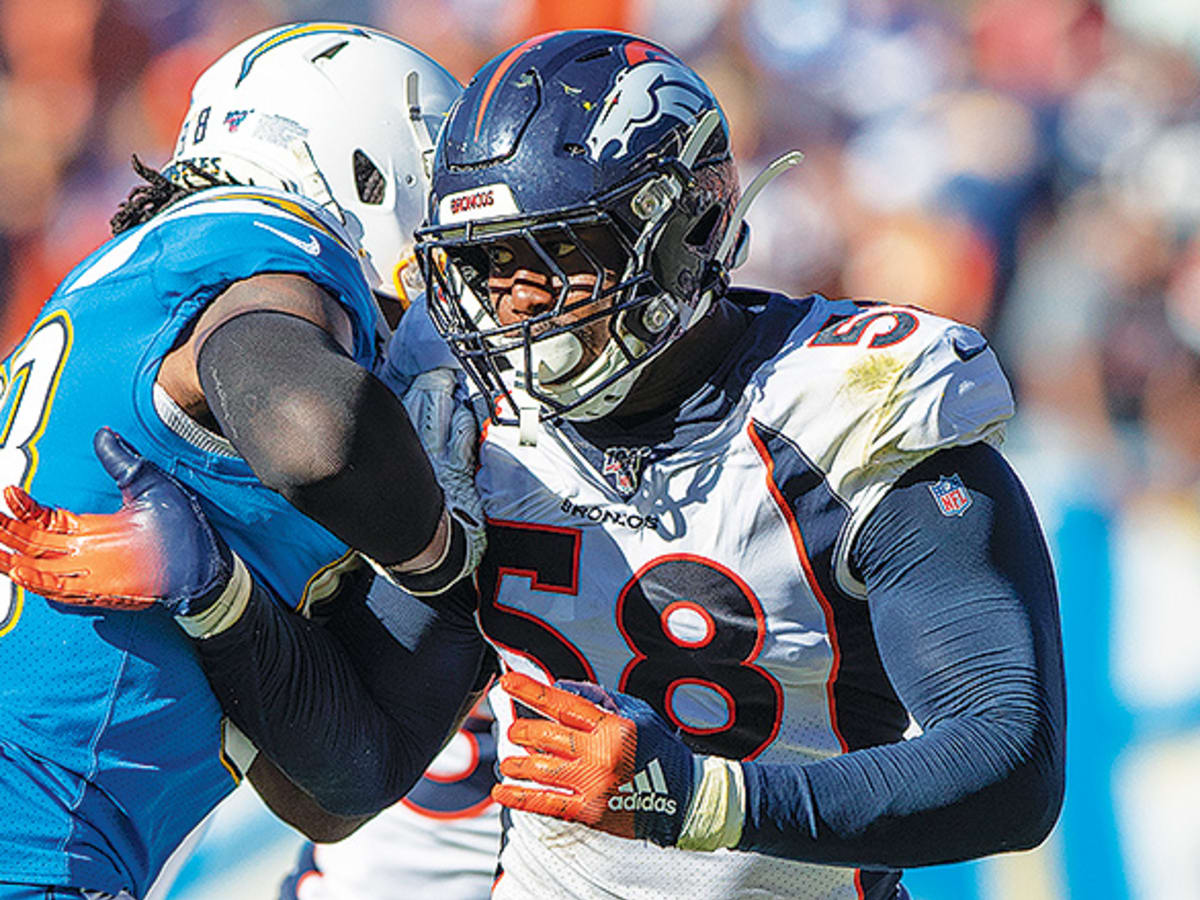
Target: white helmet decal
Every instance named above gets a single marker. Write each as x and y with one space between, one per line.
274 39
639 97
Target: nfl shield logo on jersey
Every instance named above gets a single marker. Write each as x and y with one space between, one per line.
951 495
623 468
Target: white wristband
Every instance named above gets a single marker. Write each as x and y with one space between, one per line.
718 809
226 610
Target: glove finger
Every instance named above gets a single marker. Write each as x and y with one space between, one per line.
464 433
33 577
552 702
547 737
591 692
70 574
31 540
64 585
26 509
54 567
9 561
625 705
542 768
132 473
547 803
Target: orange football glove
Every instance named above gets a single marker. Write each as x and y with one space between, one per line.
157 548
615 766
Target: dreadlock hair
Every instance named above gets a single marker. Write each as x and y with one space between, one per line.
147 200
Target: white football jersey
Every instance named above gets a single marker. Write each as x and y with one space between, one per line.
701 563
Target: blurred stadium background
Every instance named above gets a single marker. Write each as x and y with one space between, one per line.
1028 166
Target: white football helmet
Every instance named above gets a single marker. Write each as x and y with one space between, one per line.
343 114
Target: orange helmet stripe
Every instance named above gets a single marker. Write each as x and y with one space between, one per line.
499 73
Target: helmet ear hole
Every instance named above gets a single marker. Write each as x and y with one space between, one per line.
368 180
701 233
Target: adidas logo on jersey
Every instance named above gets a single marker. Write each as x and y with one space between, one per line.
645 792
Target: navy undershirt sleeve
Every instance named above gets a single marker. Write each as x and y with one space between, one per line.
354 709
964 613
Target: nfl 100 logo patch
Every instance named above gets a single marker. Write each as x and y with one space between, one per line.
623 468
951 495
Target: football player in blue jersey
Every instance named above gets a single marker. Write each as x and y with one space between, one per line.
228 331
738 542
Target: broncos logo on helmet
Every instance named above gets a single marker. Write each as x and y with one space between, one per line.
640 97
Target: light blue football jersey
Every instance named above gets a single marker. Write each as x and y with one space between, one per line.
110 740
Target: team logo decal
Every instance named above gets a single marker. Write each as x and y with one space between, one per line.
290 34
640 96
235 117
623 467
951 495
486 201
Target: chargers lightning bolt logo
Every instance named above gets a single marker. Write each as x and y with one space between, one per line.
296 31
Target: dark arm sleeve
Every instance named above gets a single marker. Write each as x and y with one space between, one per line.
965 616
322 431
352 710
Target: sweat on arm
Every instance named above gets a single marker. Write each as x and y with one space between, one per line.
964 613
322 431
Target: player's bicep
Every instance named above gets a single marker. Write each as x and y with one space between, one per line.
961 592
294 295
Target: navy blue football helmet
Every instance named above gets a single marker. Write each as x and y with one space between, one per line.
604 144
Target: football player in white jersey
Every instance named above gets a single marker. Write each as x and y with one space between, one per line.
764 530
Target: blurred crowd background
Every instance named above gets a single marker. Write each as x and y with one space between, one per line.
1029 166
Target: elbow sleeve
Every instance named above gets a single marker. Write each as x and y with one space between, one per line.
322 431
